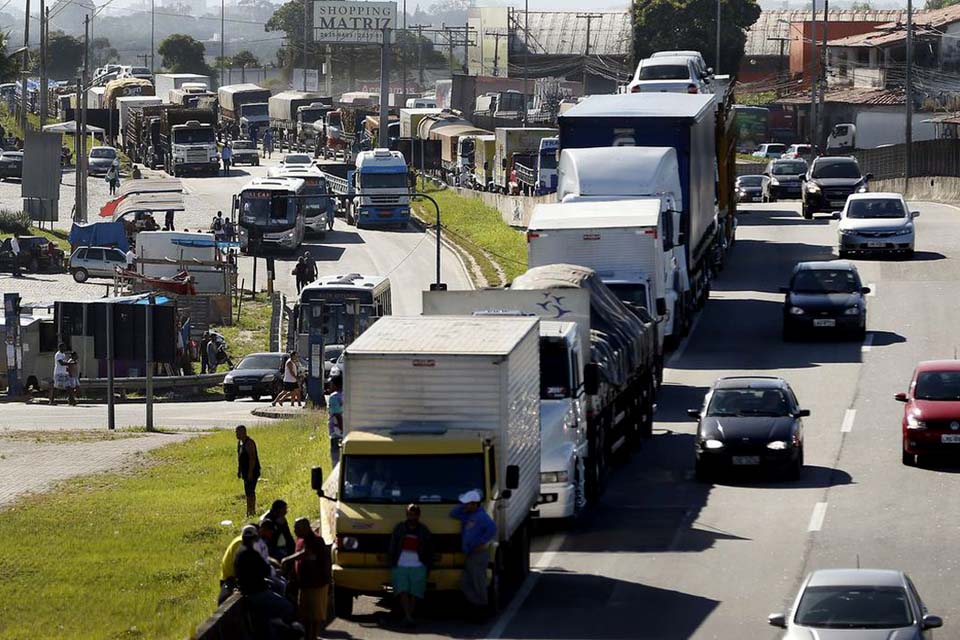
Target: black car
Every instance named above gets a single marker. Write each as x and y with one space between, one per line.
11 164
828 182
258 374
783 179
36 254
751 423
825 297
748 188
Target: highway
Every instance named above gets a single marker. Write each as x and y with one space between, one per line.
665 557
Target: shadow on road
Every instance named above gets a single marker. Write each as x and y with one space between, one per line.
813 477
886 338
776 218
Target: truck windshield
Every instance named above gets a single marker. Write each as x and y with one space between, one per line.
193 136
554 370
402 479
548 159
316 202
271 211
383 181
630 292
253 110
310 116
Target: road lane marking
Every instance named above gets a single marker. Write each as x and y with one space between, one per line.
543 562
873 290
816 518
848 419
867 343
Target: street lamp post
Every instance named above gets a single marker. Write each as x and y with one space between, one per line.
908 95
716 62
437 285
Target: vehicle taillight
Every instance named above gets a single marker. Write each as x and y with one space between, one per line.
532 235
692 88
635 89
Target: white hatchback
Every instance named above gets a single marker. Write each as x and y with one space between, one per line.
876 223
96 261
676 74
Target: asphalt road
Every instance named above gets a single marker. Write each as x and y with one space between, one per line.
664 557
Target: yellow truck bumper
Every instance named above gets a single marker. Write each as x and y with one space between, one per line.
375 581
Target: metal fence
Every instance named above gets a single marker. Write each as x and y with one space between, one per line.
929 158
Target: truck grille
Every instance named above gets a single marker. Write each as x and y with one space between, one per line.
382 200
196 156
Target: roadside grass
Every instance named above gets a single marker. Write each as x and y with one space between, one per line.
136 553
252 333
70 436
480 231
56 236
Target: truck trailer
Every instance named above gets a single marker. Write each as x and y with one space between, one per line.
167 82
244 104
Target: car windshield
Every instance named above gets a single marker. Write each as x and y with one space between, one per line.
750 181
836 170
664 72
554 369
243 144
297 160
103 153
261 362
404 479
825 281
776 148
854 608
332 352
789 168
938 385
384 181
748 402
876 208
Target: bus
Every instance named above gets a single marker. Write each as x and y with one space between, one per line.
268 214
753 127
334 310
318 206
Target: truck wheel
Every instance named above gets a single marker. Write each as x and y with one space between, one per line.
342 603
495 588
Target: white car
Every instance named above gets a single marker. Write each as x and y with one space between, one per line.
297 160
669 74
795 151
701 64
99 262
245 152
770 151
876 222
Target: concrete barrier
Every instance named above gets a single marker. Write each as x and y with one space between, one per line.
935 189
515 210
229 622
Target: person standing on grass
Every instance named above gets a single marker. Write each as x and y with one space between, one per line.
312 569
213 355
204 340
477 532
248 467
291 382
335 418
410 557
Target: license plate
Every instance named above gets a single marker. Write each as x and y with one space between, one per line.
246 387
746 460
876 245
950 438
824 322
838 203
385 214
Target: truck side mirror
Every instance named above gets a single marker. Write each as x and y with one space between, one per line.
869 176
316 480
591 378
661 306
513 477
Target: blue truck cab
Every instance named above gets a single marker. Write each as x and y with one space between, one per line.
382 191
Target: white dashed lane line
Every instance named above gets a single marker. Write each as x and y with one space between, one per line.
848 419
816 518
867 343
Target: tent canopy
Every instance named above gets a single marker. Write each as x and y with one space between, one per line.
71 127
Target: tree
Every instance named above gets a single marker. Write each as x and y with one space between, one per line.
9 67
244 59
101 52
939 4
692 24
183 54
64 56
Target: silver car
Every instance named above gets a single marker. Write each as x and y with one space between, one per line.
876 222
100 160
857 604
101 262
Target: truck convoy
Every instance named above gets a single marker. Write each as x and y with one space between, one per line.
245 105
688 123
283 107
456 410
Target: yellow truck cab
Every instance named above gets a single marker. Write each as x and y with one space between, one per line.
434 407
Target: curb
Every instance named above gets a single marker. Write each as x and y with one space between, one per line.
282 413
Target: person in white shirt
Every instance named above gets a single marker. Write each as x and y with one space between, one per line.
291 382
15 249
61 375
131 258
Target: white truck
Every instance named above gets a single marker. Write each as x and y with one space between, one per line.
563 400
876 129
455 409
537 173
512 144
124 104
616 188
164 83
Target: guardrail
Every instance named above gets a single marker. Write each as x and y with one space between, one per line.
160 383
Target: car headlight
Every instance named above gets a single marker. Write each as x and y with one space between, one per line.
847 232
178 160
914 423
290 235
862 189
778 445
550 477
813 187
853 311
268 378
774 182
712 443
796 311
349 543
905 231
228 378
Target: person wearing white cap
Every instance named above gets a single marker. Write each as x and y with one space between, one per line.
477 531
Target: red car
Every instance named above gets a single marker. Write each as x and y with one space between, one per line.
931 417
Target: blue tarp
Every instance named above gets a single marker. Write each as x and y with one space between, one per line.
99 234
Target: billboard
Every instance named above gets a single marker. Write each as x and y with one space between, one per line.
351 22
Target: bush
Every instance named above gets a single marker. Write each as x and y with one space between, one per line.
14 222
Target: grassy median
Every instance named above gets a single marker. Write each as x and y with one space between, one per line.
136 554
251 334
480 231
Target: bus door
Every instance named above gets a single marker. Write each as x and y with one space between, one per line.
337 322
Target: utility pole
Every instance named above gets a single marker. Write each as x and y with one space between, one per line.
823 78
403 53
716 63
82 153
496 50
24 123
306 21
329 72
77 137
153 50
586 52
526 58
382 137
222 41
908 155
780 78
813 75
43 64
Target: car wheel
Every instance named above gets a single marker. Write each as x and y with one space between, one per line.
229 397
256 162
796 467
771 198
255 397
908 459
860 334
34 265
80 275
842 254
